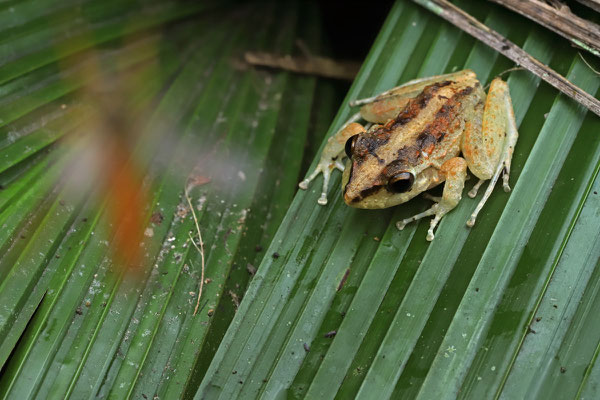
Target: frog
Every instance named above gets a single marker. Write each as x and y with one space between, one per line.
418 135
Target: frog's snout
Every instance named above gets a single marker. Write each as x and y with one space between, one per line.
351 198
347 198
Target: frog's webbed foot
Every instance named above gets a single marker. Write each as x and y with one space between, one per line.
432 211
455 171
331 157
325 167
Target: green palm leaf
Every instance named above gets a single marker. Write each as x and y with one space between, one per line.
416 319
74 323
342 303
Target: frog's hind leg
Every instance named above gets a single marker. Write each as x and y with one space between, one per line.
332 154
455 171
411 86
387 105
498 125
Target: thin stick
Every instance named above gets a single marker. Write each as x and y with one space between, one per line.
560 19
200 249
593 4
499 43
506 71
588 64
312 65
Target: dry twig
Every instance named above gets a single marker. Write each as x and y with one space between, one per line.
588 64
311 65
593 4
499 43
559 18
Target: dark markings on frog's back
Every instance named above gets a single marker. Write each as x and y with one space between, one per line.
412 109
370 142
408 155
369 145
434 132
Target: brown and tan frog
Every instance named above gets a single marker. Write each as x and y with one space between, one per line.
420 129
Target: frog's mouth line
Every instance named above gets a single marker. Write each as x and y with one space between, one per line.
367 192
349 177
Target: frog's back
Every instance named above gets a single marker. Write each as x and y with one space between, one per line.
427 122
425 133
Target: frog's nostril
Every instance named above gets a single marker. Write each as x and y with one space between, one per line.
349 199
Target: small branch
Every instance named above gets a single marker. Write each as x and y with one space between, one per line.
312 65
588 64
582 33
200 249
593 4
499 43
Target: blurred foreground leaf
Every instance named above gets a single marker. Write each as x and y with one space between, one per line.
167 79
340 303
497 310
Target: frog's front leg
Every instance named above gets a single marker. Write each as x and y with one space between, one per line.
455 172
332 154
488 149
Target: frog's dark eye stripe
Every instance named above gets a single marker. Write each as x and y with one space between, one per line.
350 145
401 182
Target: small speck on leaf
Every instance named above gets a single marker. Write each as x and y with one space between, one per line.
157 218
251 269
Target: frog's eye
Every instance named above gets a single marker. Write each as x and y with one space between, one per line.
401 182
350 145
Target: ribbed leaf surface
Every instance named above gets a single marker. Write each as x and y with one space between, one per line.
496 310
73 322
342 305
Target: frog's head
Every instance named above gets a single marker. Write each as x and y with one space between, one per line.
370 181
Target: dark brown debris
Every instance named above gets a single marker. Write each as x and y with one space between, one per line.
157 218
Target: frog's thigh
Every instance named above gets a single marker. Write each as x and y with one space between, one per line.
486 133
499 136
385 106
455 172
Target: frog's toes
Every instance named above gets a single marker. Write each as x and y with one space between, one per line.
505 181
304 184
473 192
402 223
436 199
324 169
471 221
339 165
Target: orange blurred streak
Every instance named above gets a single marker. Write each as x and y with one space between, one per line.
126 202
110 89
